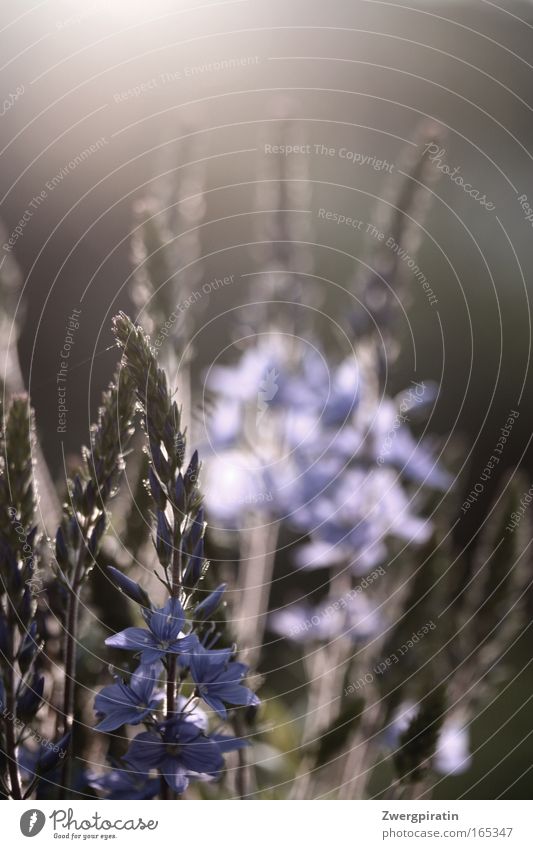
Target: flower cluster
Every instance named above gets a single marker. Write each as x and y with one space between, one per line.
178 746
178 640
346 453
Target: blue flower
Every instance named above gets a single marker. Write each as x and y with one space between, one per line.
351 616
346 446
219 681
163 637
122 703
351 517
179 750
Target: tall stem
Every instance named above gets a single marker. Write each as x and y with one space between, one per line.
176 587
171 709
255 578
71 641
361 753
171 658
171 686
244 778
326 667
10 716
69 693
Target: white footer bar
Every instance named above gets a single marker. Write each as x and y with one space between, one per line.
304 823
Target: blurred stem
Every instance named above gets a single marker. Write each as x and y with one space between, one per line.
258 547
326 673
361 753
326 670
361 750
256 567
244 779
407 791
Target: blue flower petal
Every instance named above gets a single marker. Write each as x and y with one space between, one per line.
152 655
175 775
188 644
144 680
234 694
199 665
132 639
116 695
167 622
199 753
146 751
117 718
216 703
229 744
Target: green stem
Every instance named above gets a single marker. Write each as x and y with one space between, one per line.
70 663
10 716
68 698
171 658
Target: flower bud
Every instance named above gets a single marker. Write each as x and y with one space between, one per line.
50 756
163 539
191 475
180 496
89 499
61 550
129 587
156 489
29 648
30 699
4 635
208 606
97 534
193 570
196 530
78 495
25 609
